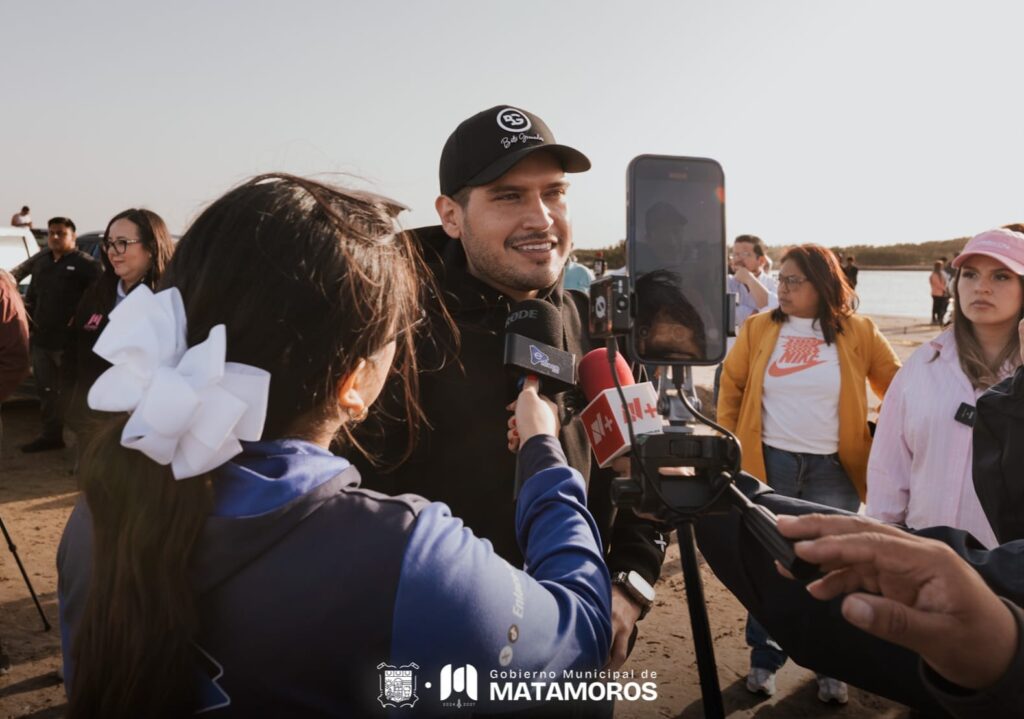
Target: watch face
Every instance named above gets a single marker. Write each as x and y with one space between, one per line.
641 585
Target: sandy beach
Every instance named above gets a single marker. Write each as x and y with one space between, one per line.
37 493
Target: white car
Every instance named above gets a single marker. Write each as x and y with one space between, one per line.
17 244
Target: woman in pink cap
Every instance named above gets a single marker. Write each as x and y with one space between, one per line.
919 471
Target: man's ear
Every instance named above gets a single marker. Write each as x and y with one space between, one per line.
450 213
350 396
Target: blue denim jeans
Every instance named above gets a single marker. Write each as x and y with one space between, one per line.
817 478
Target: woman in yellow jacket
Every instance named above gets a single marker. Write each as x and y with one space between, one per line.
793 391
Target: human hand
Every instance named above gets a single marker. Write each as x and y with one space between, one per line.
1020 333
533 415
931 601
743 275
625 614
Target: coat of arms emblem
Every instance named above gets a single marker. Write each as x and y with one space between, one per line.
397 685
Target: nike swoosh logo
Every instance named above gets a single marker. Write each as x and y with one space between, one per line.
775 371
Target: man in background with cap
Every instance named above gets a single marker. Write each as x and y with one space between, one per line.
505 236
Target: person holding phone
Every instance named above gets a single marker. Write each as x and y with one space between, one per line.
793 391
223 560
920 471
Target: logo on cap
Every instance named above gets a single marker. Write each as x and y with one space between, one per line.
512 120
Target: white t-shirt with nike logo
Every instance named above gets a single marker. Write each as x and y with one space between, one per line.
800 398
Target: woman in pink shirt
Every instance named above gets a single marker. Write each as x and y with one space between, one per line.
919 471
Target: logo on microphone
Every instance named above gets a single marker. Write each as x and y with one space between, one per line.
539 358
458 681
601 427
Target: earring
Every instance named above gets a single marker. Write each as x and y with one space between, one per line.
360 415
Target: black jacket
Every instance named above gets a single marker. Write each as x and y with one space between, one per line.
998 464
54 293
815 634
81 366
462 459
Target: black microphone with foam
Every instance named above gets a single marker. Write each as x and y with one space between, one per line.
533 337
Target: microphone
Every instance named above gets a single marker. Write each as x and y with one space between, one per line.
532 330
533 336
603 418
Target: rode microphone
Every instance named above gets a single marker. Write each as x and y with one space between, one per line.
532 331
533 335
604 418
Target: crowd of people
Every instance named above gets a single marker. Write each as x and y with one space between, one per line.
319 435
793 391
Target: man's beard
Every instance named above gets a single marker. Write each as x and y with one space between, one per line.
489 267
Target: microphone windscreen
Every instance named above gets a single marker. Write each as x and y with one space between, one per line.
596 375
537 320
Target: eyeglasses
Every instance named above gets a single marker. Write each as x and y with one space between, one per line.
118 246
791 281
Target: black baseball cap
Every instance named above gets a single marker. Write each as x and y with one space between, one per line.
487 145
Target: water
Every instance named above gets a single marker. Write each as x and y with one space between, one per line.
895 292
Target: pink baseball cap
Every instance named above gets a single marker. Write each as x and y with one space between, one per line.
1002 245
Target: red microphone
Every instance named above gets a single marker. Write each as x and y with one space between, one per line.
604 418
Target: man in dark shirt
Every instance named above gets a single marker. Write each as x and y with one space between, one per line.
60 274
505 236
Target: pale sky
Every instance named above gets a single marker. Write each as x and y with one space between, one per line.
836 122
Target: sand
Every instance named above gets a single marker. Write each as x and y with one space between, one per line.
37 493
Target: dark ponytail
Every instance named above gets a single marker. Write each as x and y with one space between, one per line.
133 654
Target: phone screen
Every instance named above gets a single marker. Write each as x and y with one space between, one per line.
676 254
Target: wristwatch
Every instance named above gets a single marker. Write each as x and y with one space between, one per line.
638 589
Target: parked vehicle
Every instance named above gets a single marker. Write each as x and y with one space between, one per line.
16 245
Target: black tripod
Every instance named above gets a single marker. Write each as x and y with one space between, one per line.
678 500
24 574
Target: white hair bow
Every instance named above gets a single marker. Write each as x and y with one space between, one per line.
189 408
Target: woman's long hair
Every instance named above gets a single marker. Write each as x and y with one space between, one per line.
836 299
156 240
308 280
982 373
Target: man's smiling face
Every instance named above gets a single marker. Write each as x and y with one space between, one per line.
516 230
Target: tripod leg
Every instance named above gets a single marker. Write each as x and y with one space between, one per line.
24 575
710 692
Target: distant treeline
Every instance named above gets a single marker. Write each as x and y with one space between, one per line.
614 256
903 255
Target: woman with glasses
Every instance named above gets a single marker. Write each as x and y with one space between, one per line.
793 391
136 248
921 468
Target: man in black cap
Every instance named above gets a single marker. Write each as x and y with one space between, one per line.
505 235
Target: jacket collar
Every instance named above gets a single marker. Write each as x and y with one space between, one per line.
945 345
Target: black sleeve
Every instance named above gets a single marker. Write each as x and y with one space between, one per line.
998 456
631 543
809 630
1004 699
26 268
91 269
